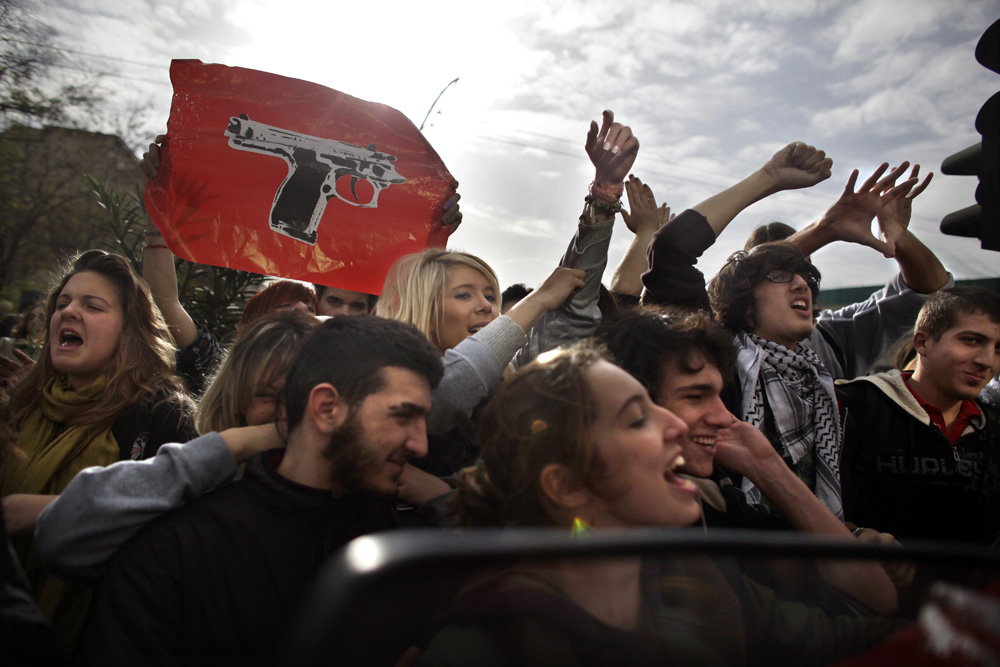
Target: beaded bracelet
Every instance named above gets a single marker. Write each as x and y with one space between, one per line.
607 191
603 205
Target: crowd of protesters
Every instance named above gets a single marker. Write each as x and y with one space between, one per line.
168 501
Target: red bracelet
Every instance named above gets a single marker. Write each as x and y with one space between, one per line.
607 191
156 245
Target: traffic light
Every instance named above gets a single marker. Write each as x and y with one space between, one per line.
981 220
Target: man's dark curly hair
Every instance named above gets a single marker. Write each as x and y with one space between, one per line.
647 341
731 290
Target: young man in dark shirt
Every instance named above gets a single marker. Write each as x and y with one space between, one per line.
921 455
215 581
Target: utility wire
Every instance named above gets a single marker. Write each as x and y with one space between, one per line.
110 74
84 53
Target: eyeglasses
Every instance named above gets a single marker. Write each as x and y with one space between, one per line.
786 276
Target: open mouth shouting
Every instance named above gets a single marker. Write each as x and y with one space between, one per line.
69 339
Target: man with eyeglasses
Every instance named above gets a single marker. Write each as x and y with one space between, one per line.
766 299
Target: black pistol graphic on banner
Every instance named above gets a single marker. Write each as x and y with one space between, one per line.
314 166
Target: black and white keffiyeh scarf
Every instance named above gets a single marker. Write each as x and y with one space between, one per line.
800 395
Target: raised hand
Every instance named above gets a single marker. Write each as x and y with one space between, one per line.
612 149
798 165
452 217
850 217
644 217
897 212
150 163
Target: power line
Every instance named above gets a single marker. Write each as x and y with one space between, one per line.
84 53
111 74
88 70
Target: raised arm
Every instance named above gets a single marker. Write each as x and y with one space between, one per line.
850 217
547 317
158 265
672 278
743 449
643 220
612 149
857 335
921 269
795 166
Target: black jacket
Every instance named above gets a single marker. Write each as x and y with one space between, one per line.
900 474
215 581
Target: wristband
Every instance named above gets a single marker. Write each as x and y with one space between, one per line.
156 245
603 205
156 233
609 192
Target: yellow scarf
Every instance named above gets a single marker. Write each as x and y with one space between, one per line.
52 456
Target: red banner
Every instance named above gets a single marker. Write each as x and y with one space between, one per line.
284 177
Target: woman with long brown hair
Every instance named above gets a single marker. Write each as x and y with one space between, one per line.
103 390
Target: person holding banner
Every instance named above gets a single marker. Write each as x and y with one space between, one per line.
452 298
198 350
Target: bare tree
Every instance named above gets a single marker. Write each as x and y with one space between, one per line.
46 206
35 84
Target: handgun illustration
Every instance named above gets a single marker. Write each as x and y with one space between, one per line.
314 166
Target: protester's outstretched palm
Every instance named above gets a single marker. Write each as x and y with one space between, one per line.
645 217
851 216
898 211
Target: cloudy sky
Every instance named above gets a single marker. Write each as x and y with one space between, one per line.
710 87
